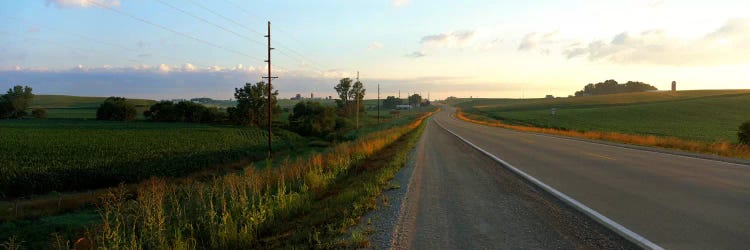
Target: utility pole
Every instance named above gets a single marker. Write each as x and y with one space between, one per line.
357 96
269 77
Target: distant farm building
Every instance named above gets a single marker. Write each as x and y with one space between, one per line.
403 107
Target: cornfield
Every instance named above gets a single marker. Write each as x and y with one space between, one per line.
232 211
43 156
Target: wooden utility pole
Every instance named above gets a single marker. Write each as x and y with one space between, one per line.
270 95
378 103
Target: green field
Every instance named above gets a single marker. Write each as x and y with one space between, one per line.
66 101
79 107
702 115
40 156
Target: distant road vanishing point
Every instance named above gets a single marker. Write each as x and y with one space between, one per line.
459 197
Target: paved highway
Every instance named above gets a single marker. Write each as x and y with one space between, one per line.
458 198
674 201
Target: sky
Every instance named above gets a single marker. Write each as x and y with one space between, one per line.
171 49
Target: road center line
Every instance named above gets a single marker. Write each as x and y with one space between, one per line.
599 156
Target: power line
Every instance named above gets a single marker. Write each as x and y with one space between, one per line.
280 44
209 22
90 39
212 23
172 30
229 20
226 18
76 49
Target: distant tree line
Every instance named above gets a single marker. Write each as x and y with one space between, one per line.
184 111
612 87
308 118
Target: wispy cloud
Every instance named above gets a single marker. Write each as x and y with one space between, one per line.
415 54
400 3
375 46
728 44
538 41
82 3
448 40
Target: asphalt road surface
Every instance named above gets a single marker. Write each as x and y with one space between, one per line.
677 202
458 198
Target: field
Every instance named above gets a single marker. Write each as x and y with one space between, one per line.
79 107
311 186
71 151
700 115
40 156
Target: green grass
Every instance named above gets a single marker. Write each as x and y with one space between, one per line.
700 115
78 107
63 155
35 234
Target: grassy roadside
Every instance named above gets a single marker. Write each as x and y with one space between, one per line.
348 199
234 210
724 148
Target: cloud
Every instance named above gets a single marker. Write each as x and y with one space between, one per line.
375 46
537 41
416 54
164 68
456 39
729 44
400 3
188 67
33 30
82 3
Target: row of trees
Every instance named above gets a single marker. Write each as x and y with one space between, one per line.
184 111
251 109
612 87
391 102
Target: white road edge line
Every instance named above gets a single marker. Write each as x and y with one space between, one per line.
612 225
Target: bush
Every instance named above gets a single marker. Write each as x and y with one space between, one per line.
744 134
312 118
116 109
39 113
184 111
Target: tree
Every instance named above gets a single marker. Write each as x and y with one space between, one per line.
415 100
252 104
312 118
116 109
162 111
356 95
390 102
39 113
744 134
14 103
343 88
349 93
